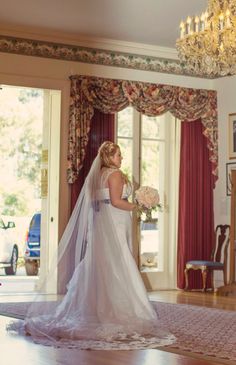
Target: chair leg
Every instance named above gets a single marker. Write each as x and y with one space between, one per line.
225 276
204 279
212 280
186 278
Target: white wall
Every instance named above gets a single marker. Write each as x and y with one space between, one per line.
18 65
226 93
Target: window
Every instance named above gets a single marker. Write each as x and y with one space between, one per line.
125 127
147 145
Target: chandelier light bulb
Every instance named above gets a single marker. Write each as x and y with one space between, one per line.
196 22
228 20
202 23
206 19
221 21
182 29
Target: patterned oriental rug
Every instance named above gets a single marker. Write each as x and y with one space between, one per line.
199 330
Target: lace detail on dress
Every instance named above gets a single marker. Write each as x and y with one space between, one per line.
105 175
105 336
134 342
127 188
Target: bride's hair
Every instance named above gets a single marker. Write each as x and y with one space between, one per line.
106 151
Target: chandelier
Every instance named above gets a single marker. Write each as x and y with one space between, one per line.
207 43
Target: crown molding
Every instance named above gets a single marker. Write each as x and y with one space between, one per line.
88 42
69 47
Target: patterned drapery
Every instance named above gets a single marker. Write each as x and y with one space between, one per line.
111 96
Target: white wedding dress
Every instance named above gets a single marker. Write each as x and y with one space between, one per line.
106 304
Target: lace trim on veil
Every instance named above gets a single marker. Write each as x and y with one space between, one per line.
106 337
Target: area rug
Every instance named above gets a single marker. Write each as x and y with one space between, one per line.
199 330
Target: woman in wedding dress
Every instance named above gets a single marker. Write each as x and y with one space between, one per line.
106 304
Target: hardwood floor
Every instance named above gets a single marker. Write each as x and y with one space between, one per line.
16 349
208 299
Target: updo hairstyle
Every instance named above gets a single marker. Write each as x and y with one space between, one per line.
106 151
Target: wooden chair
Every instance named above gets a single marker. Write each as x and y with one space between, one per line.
218 260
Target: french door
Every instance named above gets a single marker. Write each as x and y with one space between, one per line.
50 161
30 155
150 149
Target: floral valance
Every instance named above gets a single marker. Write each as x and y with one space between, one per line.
111 96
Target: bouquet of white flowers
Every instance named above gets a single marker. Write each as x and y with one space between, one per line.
147 200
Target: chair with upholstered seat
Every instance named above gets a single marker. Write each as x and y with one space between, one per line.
218 260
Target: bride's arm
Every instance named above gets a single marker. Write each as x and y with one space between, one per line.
115 184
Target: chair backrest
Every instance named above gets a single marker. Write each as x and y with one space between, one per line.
220 252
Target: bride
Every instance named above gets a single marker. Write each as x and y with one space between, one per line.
106 304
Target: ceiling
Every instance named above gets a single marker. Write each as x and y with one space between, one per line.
154 22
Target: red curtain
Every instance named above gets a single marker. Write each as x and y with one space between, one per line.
102 129
196 216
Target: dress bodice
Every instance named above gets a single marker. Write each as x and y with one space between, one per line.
103 193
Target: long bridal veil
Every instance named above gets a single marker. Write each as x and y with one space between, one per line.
105 305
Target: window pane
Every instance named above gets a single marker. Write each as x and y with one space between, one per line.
126 151
149 230
152 152
151 127
150 163
125 139
149 247
125 123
